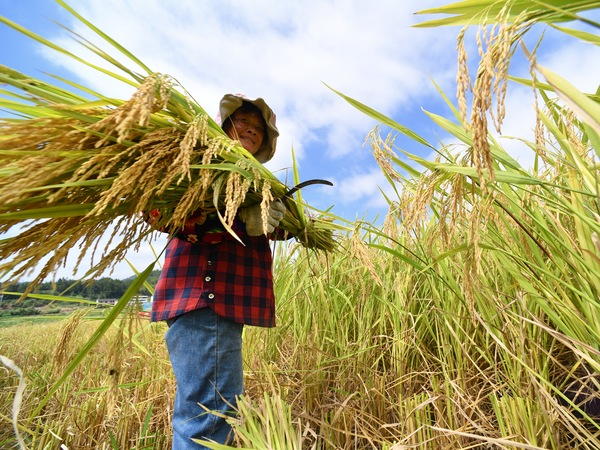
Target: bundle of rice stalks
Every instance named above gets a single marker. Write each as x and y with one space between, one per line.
74 166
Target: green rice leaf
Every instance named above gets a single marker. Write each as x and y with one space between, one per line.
59 49
136 284
477 12
584 36
585 108
105 37
383 119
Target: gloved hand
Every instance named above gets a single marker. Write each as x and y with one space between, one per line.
252 217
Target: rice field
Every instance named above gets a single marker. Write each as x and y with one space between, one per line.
385 356
468 319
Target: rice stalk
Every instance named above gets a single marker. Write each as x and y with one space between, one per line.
68 333
74 168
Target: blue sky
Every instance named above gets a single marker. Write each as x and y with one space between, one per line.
286 52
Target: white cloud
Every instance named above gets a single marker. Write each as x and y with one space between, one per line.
577 62
361 187
283 52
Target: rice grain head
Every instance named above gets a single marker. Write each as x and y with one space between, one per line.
495 47
68 331
216 145
383 152
235 193
539 130
196 135
156 162
415 201
267 198
359 251
151 96
463 80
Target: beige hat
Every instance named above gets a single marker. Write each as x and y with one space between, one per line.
230 102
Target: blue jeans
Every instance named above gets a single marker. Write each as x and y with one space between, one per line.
206 355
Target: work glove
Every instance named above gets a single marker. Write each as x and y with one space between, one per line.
252 217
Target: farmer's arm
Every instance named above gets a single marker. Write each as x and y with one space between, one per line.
206 227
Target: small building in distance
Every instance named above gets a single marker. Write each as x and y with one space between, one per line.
140 300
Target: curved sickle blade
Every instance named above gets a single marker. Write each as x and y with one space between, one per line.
299 186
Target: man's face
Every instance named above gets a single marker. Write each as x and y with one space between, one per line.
246 127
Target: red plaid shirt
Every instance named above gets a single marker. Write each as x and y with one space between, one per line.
206 266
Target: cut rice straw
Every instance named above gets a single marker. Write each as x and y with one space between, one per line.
73 168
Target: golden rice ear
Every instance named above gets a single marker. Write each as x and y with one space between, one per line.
361 252
383 152
236 189
195 136
151 96
495 45
463 80
64 345
267 198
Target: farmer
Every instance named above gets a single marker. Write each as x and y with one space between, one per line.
211 286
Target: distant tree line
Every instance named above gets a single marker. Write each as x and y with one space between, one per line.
103 288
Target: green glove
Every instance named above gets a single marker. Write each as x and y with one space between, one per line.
252 217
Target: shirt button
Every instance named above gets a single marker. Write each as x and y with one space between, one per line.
211 296
207 279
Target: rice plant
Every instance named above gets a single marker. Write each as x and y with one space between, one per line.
75 161
468 320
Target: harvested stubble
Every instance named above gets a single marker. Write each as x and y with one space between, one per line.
71 170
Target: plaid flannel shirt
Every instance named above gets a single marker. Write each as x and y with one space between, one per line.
206 266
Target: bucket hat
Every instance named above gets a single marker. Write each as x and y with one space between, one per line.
230 102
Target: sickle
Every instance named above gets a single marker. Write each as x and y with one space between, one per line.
299 186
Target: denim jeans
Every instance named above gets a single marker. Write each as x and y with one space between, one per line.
206 355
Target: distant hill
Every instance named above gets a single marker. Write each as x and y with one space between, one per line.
152 278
